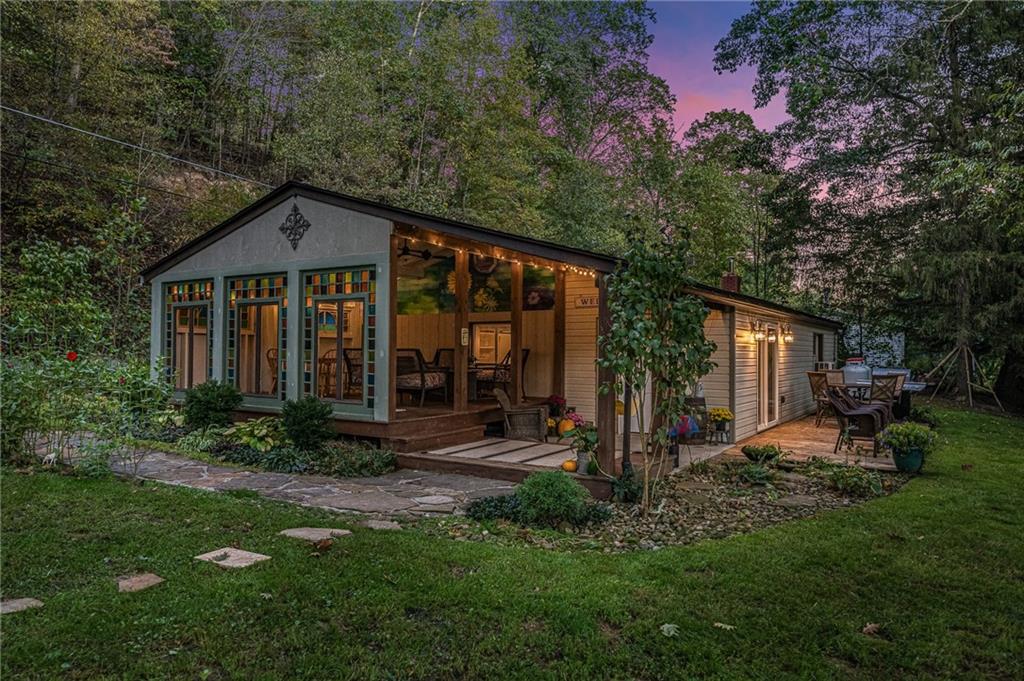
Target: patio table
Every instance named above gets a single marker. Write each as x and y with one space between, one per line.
902 408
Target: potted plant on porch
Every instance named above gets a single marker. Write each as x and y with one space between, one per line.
584 443
909 444
721 417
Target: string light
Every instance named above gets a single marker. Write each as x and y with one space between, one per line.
504 255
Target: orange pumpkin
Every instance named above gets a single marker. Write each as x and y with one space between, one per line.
569 465
565 425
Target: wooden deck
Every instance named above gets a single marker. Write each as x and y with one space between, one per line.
805 441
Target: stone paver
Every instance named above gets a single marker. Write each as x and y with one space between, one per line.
314 534
138 582
19 604
403 492
231 557
375 524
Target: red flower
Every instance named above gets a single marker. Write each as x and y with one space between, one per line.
121 380
72 356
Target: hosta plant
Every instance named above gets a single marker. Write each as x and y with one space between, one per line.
262 434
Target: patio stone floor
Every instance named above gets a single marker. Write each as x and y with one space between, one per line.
403 492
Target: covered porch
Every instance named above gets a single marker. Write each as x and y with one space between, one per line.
805 441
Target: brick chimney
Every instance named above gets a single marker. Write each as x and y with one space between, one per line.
731 280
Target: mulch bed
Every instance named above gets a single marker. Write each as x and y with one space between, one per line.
710 504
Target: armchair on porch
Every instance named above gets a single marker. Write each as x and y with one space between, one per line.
353 372
819 391
523 423
413 376
494 375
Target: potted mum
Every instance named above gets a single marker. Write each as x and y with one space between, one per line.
720 416
909 444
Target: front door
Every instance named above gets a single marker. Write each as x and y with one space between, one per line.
767 384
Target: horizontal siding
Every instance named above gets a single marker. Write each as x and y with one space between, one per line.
716 384
746 377
580 346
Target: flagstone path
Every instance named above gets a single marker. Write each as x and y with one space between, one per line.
403 492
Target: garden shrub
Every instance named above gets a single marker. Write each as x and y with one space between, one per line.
210 404
262 434
626 488
307 422
503 507
755 474
285 460
855 481
203 440
924 413
903 437
232 452
550 498
762 453
352 459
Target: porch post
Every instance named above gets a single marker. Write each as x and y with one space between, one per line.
293 354
392 373
218 324
517 332
460 397
558 386
606 400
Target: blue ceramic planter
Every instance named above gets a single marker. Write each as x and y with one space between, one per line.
909 461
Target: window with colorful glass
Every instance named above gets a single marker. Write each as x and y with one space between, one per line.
257 339
188 334
340 335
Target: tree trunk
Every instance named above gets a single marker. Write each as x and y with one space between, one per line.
1010 381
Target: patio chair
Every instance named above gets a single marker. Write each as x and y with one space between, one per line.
353 371
698 411
327 376
861 423
524 422
444 358
885 391
852 403
819 391
834 378
494 375
272 363
413 376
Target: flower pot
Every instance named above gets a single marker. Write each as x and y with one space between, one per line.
720 426
908 461
582 461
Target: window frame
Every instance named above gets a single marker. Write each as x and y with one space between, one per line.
340 299
191 339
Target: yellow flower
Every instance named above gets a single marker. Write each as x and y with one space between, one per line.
551 423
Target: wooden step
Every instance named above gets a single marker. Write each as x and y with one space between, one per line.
436 438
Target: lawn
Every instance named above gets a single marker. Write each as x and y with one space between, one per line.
938 566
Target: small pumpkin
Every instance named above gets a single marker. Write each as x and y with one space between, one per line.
565 425
569 465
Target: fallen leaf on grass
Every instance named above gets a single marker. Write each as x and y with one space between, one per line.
669 630
722 625
871 629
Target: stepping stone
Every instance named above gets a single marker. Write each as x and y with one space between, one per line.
138 582
232 558
314 534
796 501
19 604
382 525
434 499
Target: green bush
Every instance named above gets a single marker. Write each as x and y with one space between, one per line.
352 459
550 498
211 404
232 452
762 453
755 474
855 481
285 460
262 434
203 440
924 413
504 507
626 488
307 422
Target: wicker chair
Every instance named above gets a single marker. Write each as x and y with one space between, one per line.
819 391
523 423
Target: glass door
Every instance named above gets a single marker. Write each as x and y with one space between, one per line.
340 331
767 383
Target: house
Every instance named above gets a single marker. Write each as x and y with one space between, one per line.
406 323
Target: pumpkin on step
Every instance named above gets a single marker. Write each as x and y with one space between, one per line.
564 426
569 465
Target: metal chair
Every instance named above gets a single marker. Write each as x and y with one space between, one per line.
414 377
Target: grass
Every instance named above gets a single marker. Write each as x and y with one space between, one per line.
938 566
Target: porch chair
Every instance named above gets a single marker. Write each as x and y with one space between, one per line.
328 371
834 378
501 373
819 391
523 422
272 363
861 423
353 358
852 403
444 358
885 391
413 376
698 408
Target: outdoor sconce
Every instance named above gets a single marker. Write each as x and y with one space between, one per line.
759 333
787 334
772 337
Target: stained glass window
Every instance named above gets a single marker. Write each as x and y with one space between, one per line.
188 334
257 339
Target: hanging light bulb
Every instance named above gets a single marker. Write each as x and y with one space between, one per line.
759 334
772 337
787 334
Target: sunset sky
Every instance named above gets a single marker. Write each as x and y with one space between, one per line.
683 54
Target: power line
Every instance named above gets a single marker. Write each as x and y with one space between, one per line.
97 135
107 178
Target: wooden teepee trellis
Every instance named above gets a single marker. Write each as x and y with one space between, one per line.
964 356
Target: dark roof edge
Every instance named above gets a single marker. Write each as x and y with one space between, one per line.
744 299
529 245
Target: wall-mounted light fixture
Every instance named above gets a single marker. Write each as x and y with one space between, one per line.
787 333
758 331
772 337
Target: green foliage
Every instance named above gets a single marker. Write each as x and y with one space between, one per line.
94 461
233 452
855 481
202 440
925 414
762 453
755 474
627 488
262 434
549 498
503 507
352 459
307 422
903 437
285 460
210 404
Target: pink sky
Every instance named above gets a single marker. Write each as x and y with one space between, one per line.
683 54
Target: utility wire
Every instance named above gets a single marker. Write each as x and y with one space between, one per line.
106 178
97 135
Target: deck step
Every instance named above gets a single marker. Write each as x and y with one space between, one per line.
430 438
